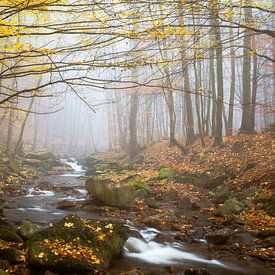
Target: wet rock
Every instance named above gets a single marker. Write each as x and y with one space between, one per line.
136 271
44 185
151 202
201 203
10 236
73 192
12 255
269 242
95 242
184 203
171 195
266 233
219 237
237 147
111 193
161 220
27 229
231 206
222 195
201 271
5 224
68 205
242 238
36 192
14 190
4 264
163 238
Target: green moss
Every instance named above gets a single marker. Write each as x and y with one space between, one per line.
2 272
167 173
9 236
270 205
104 239
137 181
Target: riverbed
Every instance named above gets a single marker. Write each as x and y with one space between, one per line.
40 206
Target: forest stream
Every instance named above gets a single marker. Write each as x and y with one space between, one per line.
40 206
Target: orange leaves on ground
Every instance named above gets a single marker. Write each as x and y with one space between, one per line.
73 250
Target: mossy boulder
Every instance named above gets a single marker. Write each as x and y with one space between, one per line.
10 254
110 192
269 205
138 182
76 245
27 229
41 155
231 206
3 272
10 236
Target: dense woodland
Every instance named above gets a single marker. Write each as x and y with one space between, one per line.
133 72
168 104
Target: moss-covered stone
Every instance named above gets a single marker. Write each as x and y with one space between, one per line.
270 205
137 181
110 192
11 254
27 229
76 245
231 206
10 236
3 272
42 155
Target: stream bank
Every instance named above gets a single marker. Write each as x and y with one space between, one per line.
148 250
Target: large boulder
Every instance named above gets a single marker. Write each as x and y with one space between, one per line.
110 192
27 229
10 236
76 245
219 237
231 206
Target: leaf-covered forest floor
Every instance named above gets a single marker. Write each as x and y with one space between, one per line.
238 195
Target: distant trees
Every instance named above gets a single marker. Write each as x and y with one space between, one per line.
196 67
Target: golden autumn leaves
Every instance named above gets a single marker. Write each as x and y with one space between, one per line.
74 249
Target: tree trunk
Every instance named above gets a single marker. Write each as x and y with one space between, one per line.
246 125
218 133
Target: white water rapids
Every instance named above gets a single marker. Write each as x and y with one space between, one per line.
156 253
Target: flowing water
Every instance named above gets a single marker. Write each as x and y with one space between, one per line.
40 207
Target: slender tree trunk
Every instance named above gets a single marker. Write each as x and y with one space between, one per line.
133 148
20 138
229 128
254 91
218 133
246 125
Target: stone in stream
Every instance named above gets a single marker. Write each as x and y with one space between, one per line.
76 245
10 236
219 237
110 192
27 229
